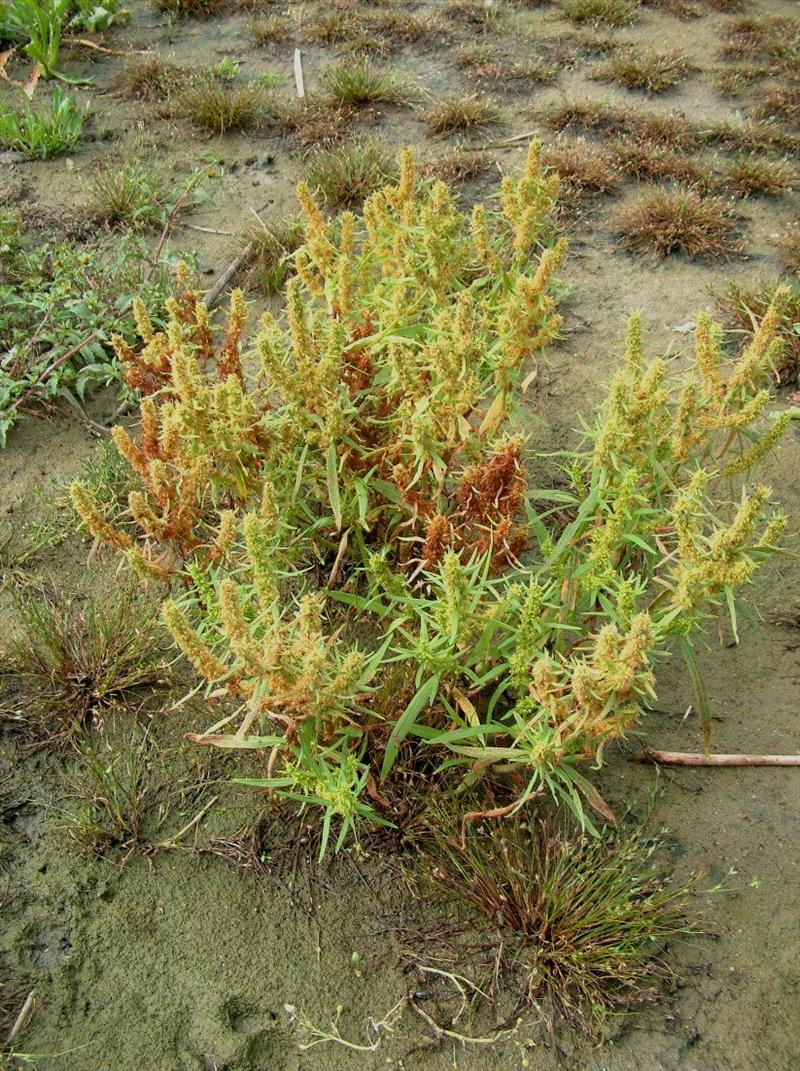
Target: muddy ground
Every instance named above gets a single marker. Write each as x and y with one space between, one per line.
178 961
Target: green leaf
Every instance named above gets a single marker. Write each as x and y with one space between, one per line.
332 477
699 690
423 697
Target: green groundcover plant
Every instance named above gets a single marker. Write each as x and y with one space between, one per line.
341 517
59 306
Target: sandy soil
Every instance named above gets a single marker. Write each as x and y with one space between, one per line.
179 962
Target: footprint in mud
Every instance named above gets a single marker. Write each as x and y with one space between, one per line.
239 1036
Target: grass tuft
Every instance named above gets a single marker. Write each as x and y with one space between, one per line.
734 79
357 83
789 248
643 161
68 666
667 131
191 9
112 790
780 103
769 39
681 221
150 79
459 113
315 120
646 69
130 195
578 923
473 13
269 262
221 105
269 29
601 12
750 176
461 165
584 170
345 175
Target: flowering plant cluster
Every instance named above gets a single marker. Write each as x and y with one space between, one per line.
341 518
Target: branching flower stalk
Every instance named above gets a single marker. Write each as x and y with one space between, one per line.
341 516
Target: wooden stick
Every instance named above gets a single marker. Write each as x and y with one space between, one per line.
298 74
22 1018
215 293
692 758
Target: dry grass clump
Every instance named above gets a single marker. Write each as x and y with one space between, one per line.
221 105
195 9
733 80
486 64
570 50
461 165
665 222
315 120
769 38
789 246
728 7
779 102
583 169
647 162
459 113
751 135
606 12
343 176
402 27
269 29
375 32
69 665
741 308
644 68
681 9
472 13
149 78
758 175
668 131
360 82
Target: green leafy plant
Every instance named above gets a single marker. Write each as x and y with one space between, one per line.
42 131
38 25
60 305
348 541
94 17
